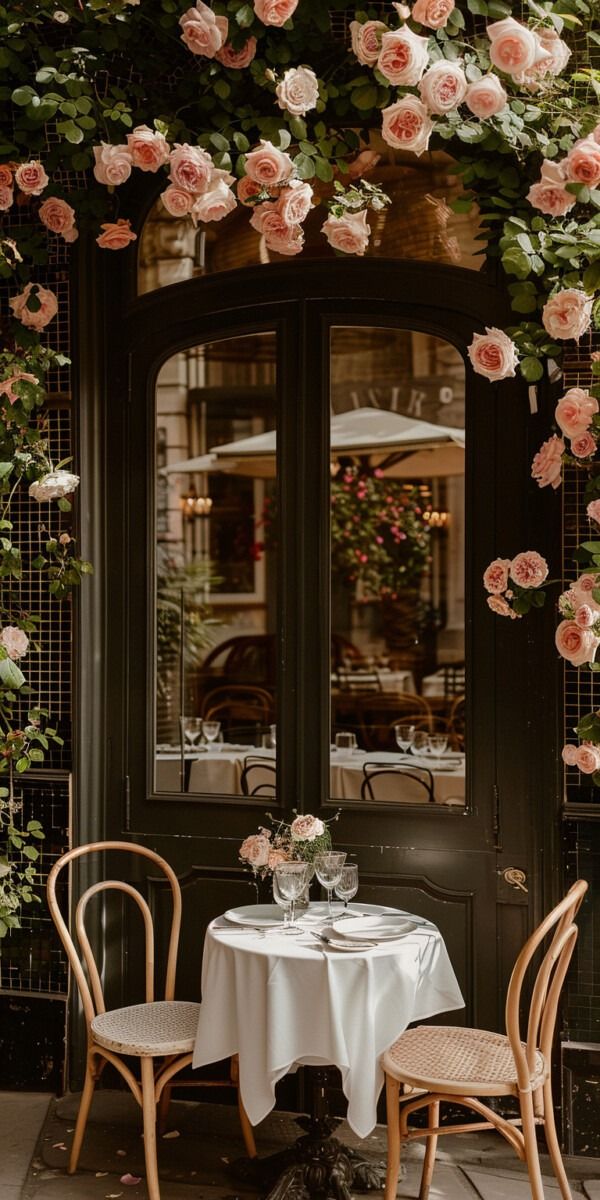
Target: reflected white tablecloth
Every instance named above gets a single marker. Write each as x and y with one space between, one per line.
347 775
278 1001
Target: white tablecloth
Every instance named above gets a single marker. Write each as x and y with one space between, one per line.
280 1000
347 776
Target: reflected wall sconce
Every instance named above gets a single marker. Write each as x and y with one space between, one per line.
436 519
193 506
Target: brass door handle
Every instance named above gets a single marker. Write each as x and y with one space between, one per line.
515 877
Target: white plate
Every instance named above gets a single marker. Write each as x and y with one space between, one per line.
384 928
257 916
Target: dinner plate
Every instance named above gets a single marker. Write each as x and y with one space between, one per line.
258 916
383 928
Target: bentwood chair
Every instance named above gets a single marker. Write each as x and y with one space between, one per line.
396 785
155 1030
258 778
459 1066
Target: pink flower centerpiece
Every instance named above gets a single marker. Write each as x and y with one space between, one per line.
297 841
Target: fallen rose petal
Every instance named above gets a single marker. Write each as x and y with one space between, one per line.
113 1195
130 1180
101 1174
58 1146
173 1133
121 1153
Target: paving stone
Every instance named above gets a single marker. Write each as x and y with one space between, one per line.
448 1183
21 1116
591 1187
492 1185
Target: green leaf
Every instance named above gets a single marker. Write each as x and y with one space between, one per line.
531 369
305 166
30 852
245 16
219 141
22 764
22 96
222 89
364 97
324 170
10 674
5 469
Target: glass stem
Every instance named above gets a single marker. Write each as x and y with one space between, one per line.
292 919
329 908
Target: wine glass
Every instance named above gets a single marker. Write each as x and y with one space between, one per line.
273 733
404 735
282 901
347 887
420 743
211 730
291 880
437 744
345 741
328 867
192 730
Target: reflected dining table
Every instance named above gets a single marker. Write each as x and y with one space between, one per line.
278 1000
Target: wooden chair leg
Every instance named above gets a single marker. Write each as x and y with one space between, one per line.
392 1099
429 1160
553 1144
82 1116
532 1157
163 1109
149 1111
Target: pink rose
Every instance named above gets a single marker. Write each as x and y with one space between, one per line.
407 125
295 201
247 188
569 755
190 168
236 60
593 511
298 91
433 13
7 196
501 607
275 858
177 201
43 315
493 354
403 57
267 165
582 164
568 602
202 31
558 51
117 235
14 641
349 233
546 467
528 569
149 149
366 40
214 204
31 178
486 97
7 385
255 850
567 314
584 445
585 584
112 165
275 12
57 215
306 828
549 195
289 241
577 645
495 577
585 616
443 87
513 47
573 414
587 758
6 175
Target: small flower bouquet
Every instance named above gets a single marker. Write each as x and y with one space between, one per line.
299 841
513 585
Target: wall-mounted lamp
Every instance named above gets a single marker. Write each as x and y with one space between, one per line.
435 519
192 505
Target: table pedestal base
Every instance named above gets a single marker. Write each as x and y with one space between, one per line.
317 1165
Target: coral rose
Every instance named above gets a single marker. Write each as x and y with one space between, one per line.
549 195
112 165
573 414
569 755
407 125
493 354
288 241
6 175
567 314
116 235
236 60
546 467
528 569
267 165
486 97
298 91
295 202
433 13
495 577
366 40
593 511
403 57
202 31
275 12
584 445
255 850
57 216
7 385
582 164
214 204
514 47
48 307
587 758
443 87
190 168
247 189
501 607
577 645
585 616
148 148
349 233
14 641
7 196
306 828
31 178
177 201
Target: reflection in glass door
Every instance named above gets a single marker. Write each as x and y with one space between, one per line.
215 587
397 568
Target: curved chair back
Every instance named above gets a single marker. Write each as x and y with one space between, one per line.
396 785
85 968
548 983
258 777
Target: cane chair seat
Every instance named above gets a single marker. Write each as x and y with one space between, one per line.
454 1060
156 1029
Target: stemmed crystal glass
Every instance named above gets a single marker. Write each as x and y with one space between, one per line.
347 887
283 903
191 727
420 743
328 867
211 730
437 744
290 879
404 735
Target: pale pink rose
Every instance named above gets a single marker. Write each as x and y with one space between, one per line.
549 195
573 414
486 97
349 233
493 354
275 858
443 87
116 235
433 13
569 755
593 511
295 201
43 315
214 204
586 584
298 91
306 828
268 165
71 235
577 645
113 164
513 46
31 178
363 164
546 467
528 569
275 12
7 385
202 31
588 758
255 850
585 616
501 607
584 445
6 175
57 215
366 40
407 125
236 60
582 164
567 314
403 57
558 51
15 641
149 149
190 168
288 241
495 577
177 201
567 602
247 188
7 196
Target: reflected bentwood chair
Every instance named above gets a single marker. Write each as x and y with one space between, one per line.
155 1030
259 778
396 785
462 1065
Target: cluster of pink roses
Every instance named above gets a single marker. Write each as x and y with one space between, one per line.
566 315
586 757
505 578
31 180
205 33
263 851
578 634
581 165
574 415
